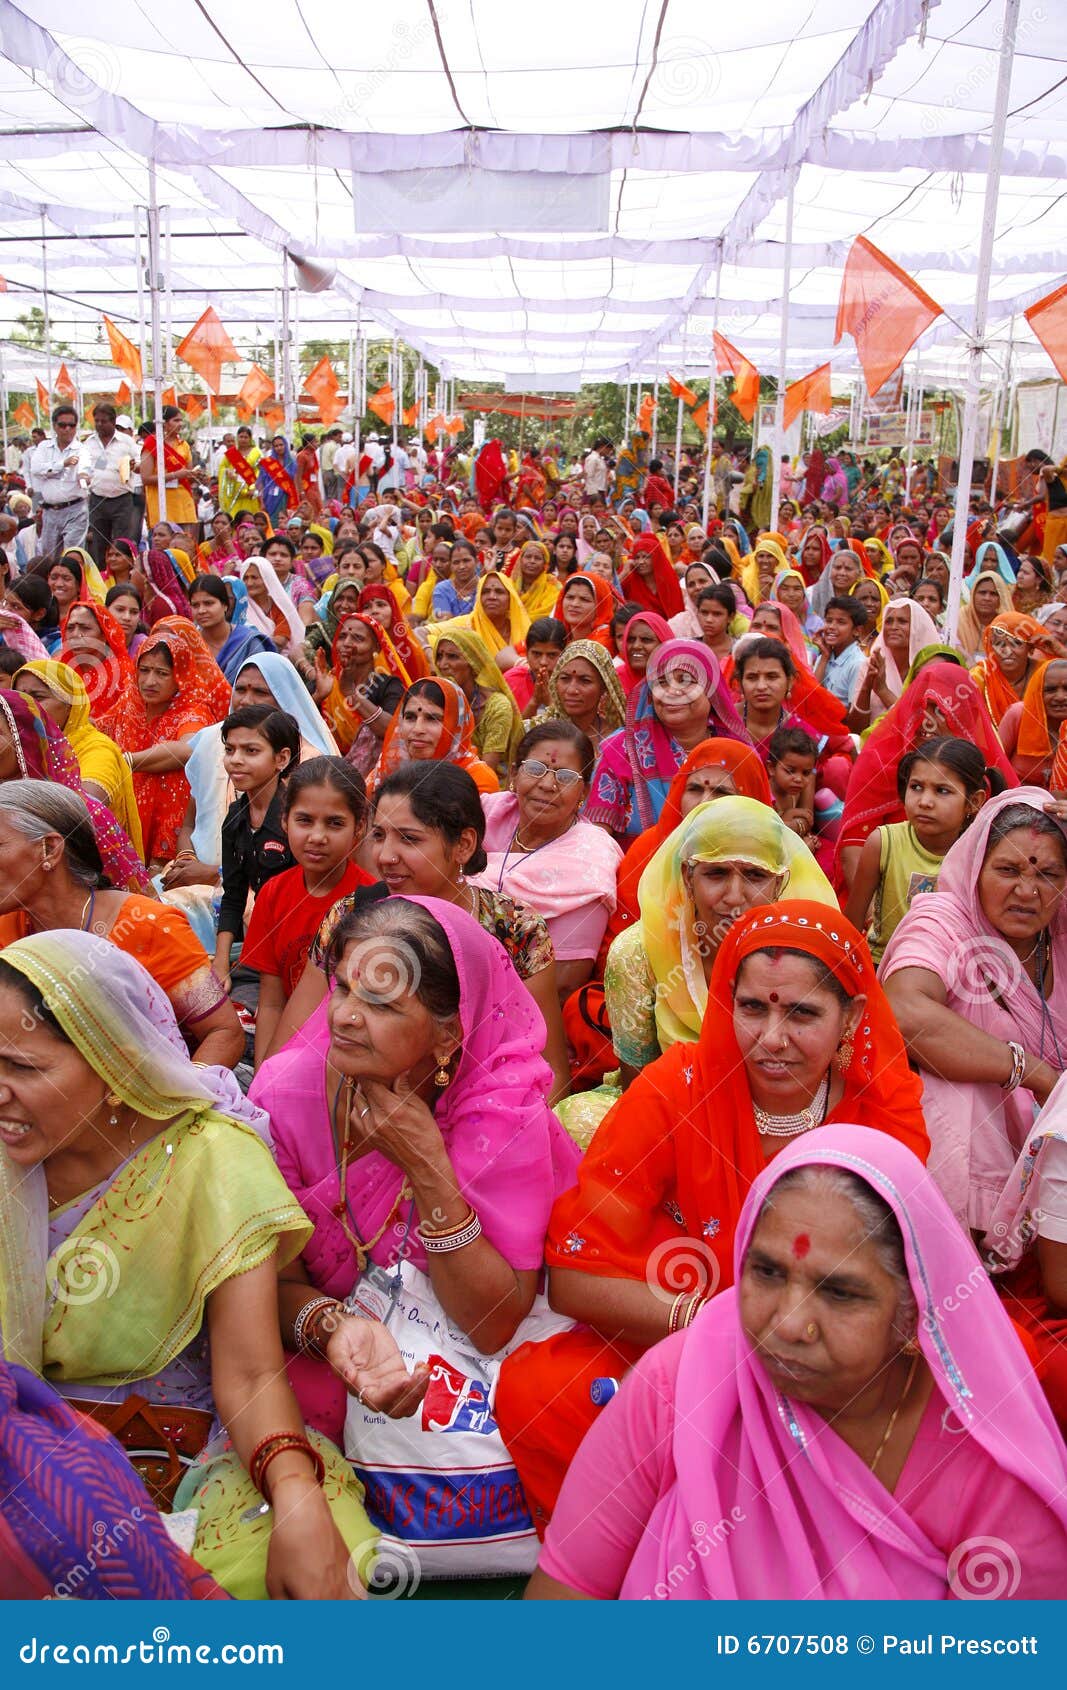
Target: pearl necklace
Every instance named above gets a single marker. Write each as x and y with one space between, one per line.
789 1126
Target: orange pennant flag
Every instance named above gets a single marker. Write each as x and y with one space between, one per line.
645 413
43 399
455 425
383 404
810 393
64 386
1048 319
3 289
169 396
256 389
23 415
244 412
206 348
434 427
729 361
700 417
122 395
883 310
410 415
274 416
192 405
322 384
680 391
124 355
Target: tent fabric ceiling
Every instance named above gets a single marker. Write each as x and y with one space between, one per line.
876 112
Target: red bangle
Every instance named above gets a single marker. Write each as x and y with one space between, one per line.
275 1443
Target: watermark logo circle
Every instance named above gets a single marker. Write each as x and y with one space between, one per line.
81 1271
983 1569
85 72
386 1570
387 969
981 968
688 71
682 1264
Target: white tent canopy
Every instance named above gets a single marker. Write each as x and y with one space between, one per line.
562 201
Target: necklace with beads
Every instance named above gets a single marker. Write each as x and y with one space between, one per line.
790 1126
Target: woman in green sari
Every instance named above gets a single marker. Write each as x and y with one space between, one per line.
143 1223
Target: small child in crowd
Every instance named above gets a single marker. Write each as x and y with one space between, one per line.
791 757
841 656
260 746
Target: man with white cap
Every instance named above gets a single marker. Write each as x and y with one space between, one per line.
104 467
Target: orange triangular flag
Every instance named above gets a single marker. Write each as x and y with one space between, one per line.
729 361
810 393
245 412
64 386
43 399
883 310
1048 319
169 396
454 425
383 404
122 395
23 415
124 355
323 386
434 427
256 389
645 413
680 391
206 348
410 415
192 405
274 416
3 289
700 417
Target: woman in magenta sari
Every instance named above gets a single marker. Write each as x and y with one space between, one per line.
682 700
475 1137
840 1424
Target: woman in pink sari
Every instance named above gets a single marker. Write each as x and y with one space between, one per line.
479 1130
977 976
842 1424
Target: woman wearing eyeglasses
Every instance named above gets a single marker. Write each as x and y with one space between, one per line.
541 853
1014 645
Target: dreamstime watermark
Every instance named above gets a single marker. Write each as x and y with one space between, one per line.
406 42
703 1542
81 1271
387 1569
83 74
682 1264
104 1539
387 969
984 1569
688 71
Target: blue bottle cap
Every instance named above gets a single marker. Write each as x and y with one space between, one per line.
602 1390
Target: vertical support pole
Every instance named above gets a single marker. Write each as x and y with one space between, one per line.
783 347
154 283
713 370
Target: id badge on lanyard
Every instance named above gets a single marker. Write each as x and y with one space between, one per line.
375 1293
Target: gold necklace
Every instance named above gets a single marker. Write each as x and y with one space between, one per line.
888 1433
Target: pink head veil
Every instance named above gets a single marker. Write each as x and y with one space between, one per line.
812 1520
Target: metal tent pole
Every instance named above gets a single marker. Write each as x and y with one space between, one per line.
154 283
783 346
981 304
709 439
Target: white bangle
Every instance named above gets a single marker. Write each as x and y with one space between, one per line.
437 1245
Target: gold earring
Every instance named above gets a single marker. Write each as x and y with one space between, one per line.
113 1101
913 1346
845 1053
442 1078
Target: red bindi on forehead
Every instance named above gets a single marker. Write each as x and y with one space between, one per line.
801 1246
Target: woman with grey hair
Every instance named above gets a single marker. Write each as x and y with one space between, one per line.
856 1417
52 876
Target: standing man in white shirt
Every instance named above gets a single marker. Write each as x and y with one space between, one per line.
61 499
595 469
105 465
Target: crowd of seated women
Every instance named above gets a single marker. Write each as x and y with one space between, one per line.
629 948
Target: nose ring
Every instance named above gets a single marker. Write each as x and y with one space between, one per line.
810 1330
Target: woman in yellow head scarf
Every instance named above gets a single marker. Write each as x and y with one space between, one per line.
61 694
460 655
499 619
759 571
867 589
538 591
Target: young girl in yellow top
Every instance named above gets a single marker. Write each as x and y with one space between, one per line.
942 785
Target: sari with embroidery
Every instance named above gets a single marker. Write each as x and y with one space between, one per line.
99 758
345 720
110 675
672 1164
455 745
43 752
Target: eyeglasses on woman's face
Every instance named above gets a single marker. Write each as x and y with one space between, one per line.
534 769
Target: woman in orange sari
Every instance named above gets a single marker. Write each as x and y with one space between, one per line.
383 596
179 690
94 646
353 701
434 724
647 1233
1014 644
585 607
